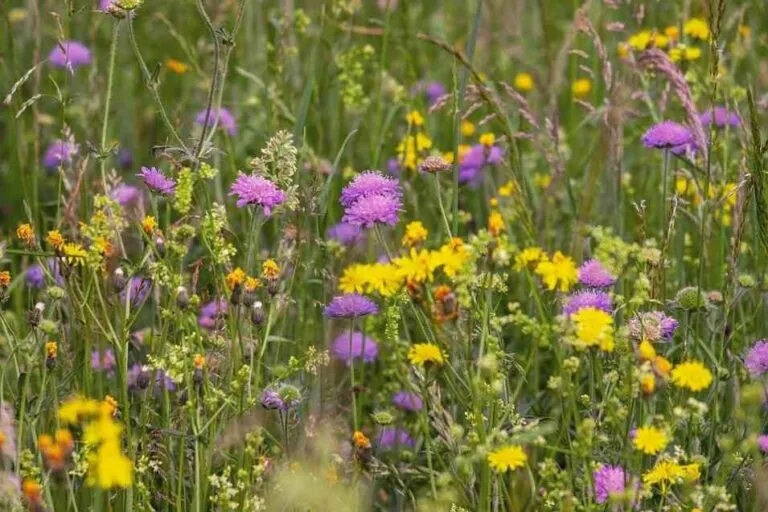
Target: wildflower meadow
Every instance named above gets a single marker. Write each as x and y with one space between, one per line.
353 255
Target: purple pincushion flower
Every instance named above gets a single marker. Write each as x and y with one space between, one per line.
407 401
59 152
35 275
390 438
608 480
355 346
369 183
157 181
283 398
393 166
212 312
125 158
667 135
756 360
125 194
351 305
372 210
652 326
139 289
432 90
69 55
103 361
588 299
762 443
594 275
104 5
225 119
346 234
477 157
723 117
251 189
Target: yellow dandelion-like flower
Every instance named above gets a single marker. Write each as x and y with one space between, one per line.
199 361
581 87
54 239
648 383
252 283
51 349
415 233
646 351
523 82
417 266
26 234
354 279
109 467
235 278
467 128
361 440
74 254
594 328
650 440
507 458
560 272
529 256
495 223
487 139
452 257
691 375
665 471
672 32
383 279
148 224
508 189
270 270
415 118
696 28
5 278
176 66
425 353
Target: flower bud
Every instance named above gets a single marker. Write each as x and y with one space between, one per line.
118 279
160 245
691 298
36 315
182 297
257 313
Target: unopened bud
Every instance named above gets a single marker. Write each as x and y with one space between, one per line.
182 297
160 245
118 279
257 313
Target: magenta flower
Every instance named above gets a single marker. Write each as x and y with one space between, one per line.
157 181
221 116
251 189
608 480
345 234
756 360
351 305
475 159
212 313
69 55
667 135
392 438
372 210
594 275
652 326
356 346
762 443
59 152
366 184
125 194
723 117
588 299
407 401
103 361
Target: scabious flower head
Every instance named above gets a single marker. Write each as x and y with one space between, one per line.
58 153
588 299
509 457
103 361
70 55
478 156
393 438
762 443
125 194
593 274
348 346
594 328
756 360
667 135
346 234
650 440
691 375
221 116
139 288
372 210
608 480
407 401
212 312
369 183
652 326
421 354
351 305
722 117
157 181
252 189
432 89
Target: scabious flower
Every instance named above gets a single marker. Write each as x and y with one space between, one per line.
762 443
103 361
346 234
283 397
421 354
609 480
125 194
372 210
212 312
722 117
691 375
392 438
652 326
594 328
368 183
139 288
407 401
668 135
593 274
756 360
432 90
588 299
70 55
252 189
58 153
650 440
347 347
475 159
157 181
35 275
351 305
507 458
221 116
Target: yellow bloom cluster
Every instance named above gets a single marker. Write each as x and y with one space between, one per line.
414 146
558 272
593 328
507 458
695 28
650 440
691 375
415 233
670 472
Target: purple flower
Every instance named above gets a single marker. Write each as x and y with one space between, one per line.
125 194
283 398
608 480
70 54
345 234
477 157
251 189
762 443
372 210
58 153
667 135
393 166
594 275
355 346
723 117
103 361
652 326
138 377
164 381
390 437
432 90
157 181
351 305
35 276
212 312
271 400
407 401
756 360
225 119
139 288
588 299
366 184
125 158
104 5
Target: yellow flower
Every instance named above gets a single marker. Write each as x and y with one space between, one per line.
495 223
5 278
101 430
26 234
691 375
77 409
524 82
691 472
424 353
412 148
672 32
199 361
355 278
74 254
235 278
51 350
487 139
361 440
745 31
176 66
149 224
252 283
415 118
650 440
270 270
542 180
417 266
55 239
648 383
467 128
383 279
560 272
594 328
665 471
109 468
110 405
646 351
683 52
662 366
415 233
507 458
581 87
508 189
528 256
696 28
